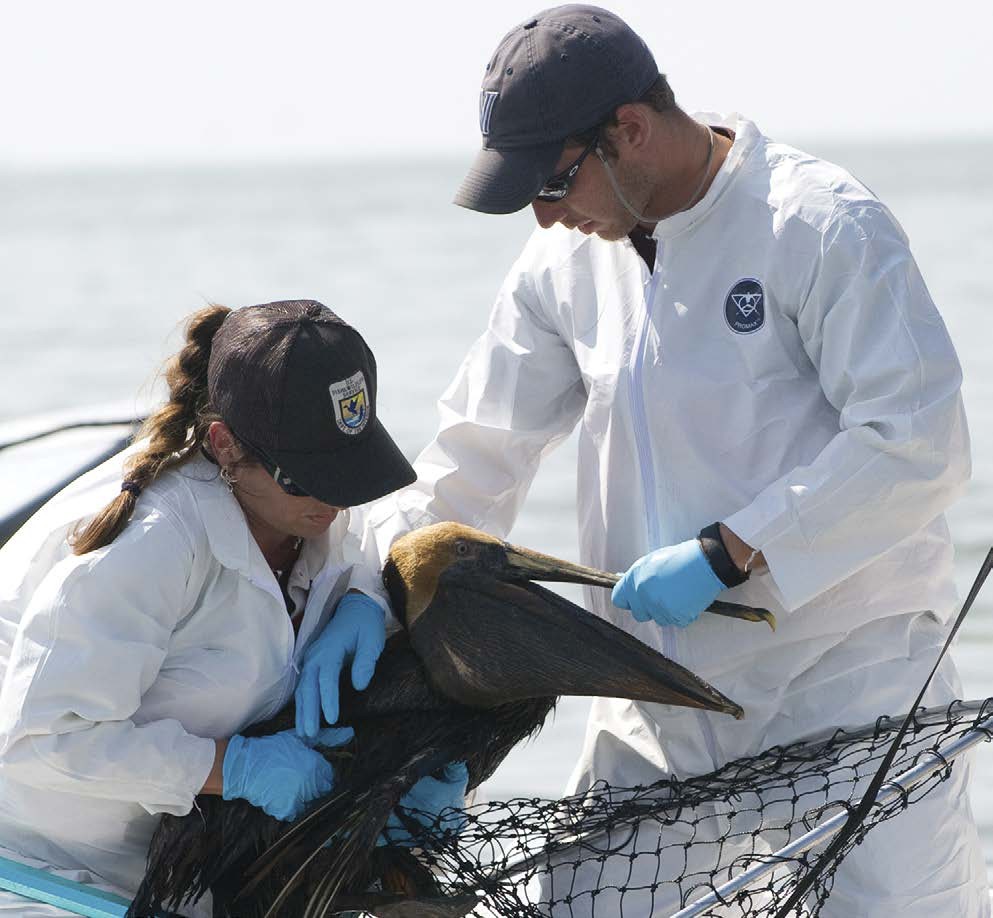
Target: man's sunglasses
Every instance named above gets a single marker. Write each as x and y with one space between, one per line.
557 187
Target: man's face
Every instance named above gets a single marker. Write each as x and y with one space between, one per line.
591 205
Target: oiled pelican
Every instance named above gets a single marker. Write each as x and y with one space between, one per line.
483 656
488 635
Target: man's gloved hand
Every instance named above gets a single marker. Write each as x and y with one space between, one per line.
356 632
280 774
672 585
432 796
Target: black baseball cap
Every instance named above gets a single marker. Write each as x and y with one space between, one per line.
297 384
561 72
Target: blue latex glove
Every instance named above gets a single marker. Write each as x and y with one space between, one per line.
431 796
280 774
672 585
356 632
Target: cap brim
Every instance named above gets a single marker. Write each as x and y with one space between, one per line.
357 473
505 181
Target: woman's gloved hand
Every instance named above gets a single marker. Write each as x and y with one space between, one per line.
356 633
431 796
672 585
280 774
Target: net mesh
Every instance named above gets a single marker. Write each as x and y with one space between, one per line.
659 848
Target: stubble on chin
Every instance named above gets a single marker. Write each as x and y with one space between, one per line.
618 226
616 232
611 235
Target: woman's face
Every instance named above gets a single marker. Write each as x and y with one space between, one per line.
265 502
270 511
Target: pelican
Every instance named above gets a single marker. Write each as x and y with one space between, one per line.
482 658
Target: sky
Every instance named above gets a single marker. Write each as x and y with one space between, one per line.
131 81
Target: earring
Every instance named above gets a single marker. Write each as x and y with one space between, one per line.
229 479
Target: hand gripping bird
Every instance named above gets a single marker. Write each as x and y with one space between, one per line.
483 656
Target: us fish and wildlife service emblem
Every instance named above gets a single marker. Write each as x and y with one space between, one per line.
744 306
350 399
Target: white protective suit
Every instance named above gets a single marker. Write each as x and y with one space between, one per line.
816 411
120 667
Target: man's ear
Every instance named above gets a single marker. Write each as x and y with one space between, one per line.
633 131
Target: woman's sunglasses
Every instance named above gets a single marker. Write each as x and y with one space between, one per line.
557 187
281 478
278 475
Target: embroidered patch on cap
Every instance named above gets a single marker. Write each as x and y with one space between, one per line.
744 306
350 398
487 99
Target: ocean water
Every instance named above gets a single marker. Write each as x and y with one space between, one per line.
99 266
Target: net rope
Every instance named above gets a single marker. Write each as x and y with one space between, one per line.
659 848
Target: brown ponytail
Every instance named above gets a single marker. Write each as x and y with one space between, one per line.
174 432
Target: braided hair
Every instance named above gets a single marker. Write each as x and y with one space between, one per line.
174 432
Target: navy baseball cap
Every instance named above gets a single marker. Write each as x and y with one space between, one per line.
561 72
297 384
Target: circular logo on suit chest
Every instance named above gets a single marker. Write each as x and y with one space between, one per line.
744 306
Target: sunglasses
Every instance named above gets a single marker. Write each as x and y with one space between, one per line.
557 187
278 475
282 479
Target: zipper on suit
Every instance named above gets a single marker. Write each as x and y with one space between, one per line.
291 664
646 464
289 684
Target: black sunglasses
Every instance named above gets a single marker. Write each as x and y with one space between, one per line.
282 479
557 187
278 475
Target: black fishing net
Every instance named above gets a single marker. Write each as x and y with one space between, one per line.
660 848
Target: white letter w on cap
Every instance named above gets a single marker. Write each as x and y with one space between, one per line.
487 98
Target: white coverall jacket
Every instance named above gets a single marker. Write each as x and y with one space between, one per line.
783 370
120 667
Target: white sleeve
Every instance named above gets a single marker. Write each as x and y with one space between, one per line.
518 393
901 454
365 573
369 582
90 643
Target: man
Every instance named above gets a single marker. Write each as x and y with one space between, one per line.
769 410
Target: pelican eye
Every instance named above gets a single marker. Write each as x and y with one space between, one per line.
461 548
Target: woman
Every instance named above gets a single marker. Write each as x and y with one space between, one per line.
137 640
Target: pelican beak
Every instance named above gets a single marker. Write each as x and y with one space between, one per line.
490 640
524 564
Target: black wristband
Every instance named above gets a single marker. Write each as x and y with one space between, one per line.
717 556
